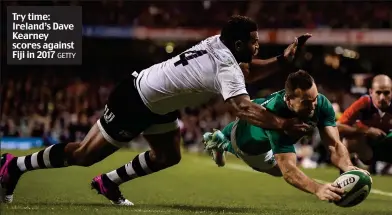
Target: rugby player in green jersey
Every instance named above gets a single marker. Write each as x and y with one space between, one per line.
272 151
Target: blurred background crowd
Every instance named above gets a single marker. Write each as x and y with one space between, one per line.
60 103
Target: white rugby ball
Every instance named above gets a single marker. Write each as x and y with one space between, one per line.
356 184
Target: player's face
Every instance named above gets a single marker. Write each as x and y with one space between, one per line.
246 51
381 95
305 101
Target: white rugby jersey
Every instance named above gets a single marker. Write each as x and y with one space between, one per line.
191 78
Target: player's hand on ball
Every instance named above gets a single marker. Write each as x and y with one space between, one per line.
328 192
298 43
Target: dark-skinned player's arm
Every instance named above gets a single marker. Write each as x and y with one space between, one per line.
284 153
259 69
233 90
257 115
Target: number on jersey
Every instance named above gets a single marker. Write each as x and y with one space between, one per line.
191 55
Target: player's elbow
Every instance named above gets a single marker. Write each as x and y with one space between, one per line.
287 168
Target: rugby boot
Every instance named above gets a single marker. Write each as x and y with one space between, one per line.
110 190
9 177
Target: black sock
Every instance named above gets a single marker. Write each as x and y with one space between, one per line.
50 157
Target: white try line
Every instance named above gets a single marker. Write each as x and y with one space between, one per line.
248 169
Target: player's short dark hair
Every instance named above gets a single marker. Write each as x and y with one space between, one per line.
238 28
298 80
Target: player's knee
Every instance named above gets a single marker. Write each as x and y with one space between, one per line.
171 159
175 159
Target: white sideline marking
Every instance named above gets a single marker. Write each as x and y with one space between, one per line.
248 169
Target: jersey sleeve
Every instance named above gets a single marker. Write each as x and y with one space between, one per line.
280 143
231 81
352 113
327 114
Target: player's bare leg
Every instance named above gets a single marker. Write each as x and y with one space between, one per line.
165 149
165 152
91 150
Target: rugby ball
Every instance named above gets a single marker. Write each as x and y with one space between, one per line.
356 185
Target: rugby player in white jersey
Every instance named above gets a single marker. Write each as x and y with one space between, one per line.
148 102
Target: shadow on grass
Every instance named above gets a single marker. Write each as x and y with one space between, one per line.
213 209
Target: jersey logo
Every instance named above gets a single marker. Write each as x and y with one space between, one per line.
107 115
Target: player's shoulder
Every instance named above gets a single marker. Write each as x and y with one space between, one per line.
323 102
363 102
220 53
322 99
271 100
366 99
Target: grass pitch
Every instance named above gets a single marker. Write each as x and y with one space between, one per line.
195 186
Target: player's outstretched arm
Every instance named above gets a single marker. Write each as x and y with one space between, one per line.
339 154
233 91
259 69
257 115
287 163
329 134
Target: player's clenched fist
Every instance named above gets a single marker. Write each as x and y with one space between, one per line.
328 192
